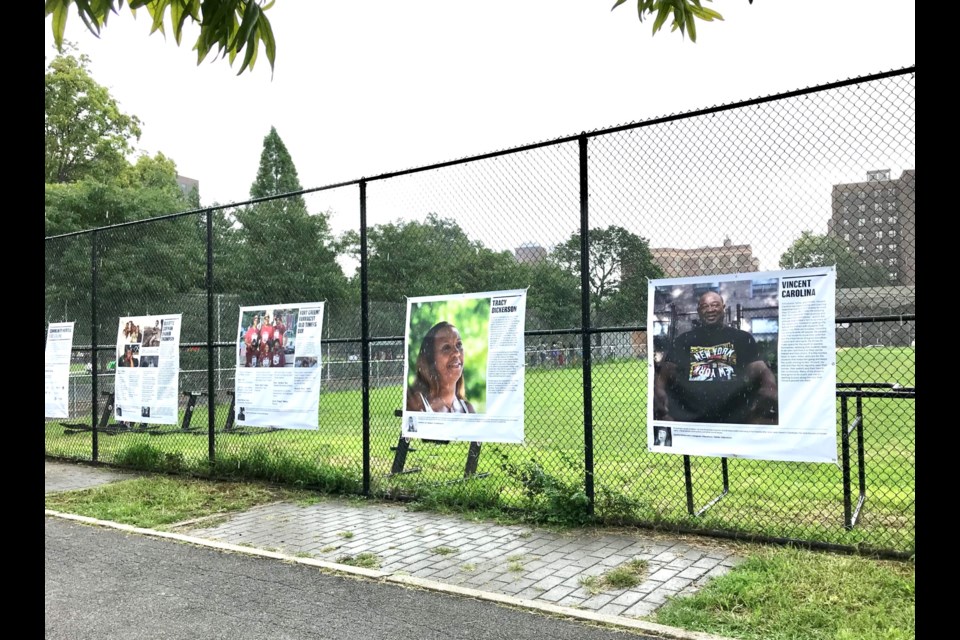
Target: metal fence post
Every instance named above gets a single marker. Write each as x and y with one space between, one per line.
364 337
95 454
211 392
586 337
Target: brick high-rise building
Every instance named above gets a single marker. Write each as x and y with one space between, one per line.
729 258
877 220
529 252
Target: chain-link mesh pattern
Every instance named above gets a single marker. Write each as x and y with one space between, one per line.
824 176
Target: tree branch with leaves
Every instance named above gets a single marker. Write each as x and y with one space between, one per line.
680 13
231 26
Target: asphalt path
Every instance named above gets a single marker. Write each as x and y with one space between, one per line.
103 583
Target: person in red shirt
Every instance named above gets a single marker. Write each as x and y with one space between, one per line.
279 329
251 338
266 337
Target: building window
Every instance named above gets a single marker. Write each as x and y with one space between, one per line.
861 208
892 219
877 220
861 221
879 234
878 248
892 233
860 248
892 261
893 275
846 237
892 247
877 206
891 206
859 236
845 221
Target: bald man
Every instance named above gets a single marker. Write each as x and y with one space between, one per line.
714 373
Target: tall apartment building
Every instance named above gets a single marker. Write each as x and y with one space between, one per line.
188 184
877 220
729 258
529 252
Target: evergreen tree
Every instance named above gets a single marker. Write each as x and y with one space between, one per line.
285 253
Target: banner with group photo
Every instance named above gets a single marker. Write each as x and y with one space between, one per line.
56 369
147 381
744 365
464 367
278 366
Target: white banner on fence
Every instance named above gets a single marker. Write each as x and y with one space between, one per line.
148 369
464 367
278 366
744 365
56 369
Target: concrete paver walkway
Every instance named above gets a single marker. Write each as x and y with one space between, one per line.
512 563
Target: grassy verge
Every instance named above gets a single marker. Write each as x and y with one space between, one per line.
158 501
791 594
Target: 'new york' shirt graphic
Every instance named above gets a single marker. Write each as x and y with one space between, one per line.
714 363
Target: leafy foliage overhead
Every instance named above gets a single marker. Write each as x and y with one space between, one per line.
680 13
232 26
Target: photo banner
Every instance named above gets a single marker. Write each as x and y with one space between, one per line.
744 365
278 366
147 382
56 369
464 367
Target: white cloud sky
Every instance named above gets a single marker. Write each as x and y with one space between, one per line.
365 88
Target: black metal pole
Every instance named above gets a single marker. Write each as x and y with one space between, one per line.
845 454
95 454
364 337
211 392
585 325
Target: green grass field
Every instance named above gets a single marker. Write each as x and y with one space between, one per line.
802 501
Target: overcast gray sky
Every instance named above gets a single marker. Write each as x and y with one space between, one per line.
364 88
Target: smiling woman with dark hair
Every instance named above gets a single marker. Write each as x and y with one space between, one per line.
439 385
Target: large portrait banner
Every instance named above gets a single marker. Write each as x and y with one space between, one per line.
464 367
147 377
744 365
56 370
278 366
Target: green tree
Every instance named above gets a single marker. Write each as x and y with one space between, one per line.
680 14
620 264
813 250
284 253
430 258
86 135
139 267
232 26
553 300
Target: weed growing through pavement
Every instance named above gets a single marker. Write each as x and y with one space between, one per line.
444 551
625 576
365 560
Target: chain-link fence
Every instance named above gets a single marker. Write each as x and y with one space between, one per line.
813 177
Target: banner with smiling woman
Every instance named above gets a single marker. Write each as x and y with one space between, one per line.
464 367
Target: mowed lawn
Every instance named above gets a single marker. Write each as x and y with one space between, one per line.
804 501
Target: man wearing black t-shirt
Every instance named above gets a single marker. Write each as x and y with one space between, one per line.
714 373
